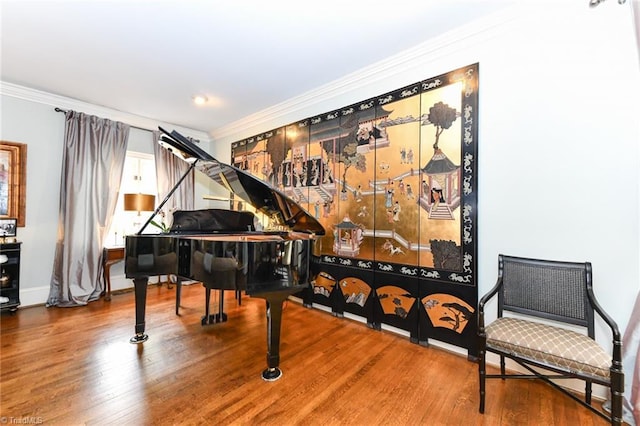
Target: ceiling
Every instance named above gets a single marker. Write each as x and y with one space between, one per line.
149 58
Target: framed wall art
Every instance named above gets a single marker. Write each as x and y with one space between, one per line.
13 181
8 227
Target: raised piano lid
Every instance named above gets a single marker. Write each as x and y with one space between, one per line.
259 194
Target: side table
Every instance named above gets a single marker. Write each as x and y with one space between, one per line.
110 256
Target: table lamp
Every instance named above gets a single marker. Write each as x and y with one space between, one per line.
139 203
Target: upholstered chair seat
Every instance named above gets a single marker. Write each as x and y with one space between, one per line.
549 345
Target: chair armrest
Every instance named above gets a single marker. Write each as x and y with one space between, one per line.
615 331
483 301
607 319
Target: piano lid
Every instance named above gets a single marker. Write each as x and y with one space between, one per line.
262 196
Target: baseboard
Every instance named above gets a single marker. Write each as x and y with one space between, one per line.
36 296
33 296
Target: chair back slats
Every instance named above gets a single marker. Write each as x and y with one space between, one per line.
546 289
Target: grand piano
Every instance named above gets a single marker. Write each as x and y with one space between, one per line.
224 249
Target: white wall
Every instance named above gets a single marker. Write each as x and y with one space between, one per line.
558 135
29 117
42 129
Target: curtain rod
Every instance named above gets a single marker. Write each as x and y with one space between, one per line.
56 109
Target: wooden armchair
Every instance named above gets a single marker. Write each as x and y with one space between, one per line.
561 294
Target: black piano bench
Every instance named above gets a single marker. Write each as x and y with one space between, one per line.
545 299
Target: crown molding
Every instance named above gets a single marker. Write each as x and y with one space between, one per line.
336 94
65 103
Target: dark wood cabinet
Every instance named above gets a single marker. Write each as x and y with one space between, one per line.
10 277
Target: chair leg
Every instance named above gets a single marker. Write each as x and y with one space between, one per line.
616 409
617 395
587 392
482 378
502 366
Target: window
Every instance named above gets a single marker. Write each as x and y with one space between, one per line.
138 177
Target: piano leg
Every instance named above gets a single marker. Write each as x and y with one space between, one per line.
140 288
274 322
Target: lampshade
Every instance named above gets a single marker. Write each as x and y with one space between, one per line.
139 202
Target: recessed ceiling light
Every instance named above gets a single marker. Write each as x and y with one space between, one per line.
200 100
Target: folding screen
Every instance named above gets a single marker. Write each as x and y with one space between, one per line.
393 181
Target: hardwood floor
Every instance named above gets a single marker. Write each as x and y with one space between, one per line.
71 366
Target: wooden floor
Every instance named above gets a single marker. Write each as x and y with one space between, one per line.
71 366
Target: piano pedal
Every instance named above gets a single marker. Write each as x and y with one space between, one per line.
213 319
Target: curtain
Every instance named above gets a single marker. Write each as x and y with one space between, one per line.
92 165
169 170
635 15
631 340
631 366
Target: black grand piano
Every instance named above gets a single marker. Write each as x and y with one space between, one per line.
223 249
